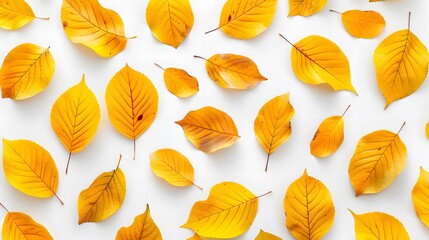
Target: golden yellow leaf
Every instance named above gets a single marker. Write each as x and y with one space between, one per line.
266 236
233 71
170 21
379 157
328 137
103 197
195 237
362 24
420 197
179 82
272 125
30 168
309 208
173 167
401 62
132 103
317 60
305 7
26 71
246 19
378 226
227 213
75 116
15 14
427 130
88 23
209 129
143 228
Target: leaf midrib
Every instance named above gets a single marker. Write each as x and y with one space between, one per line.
212 130
232 70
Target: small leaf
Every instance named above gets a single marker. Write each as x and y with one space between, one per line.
195 237
379 157
420 196
362 24
15 14
143 228
266 236
272 125
378 226
20 226
170 21
309 208
233 71
209 129
179 82
305 7
26 71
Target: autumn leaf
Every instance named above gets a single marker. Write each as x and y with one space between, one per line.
15 14
266 236
132 103
209 129
272 125
173 167
30 168
179 82
143 228
401 62
75 116
420 196
233 71
246 19
317 60
90 24
362 24
427 130
328 137
309 208
26 71
305 7
378 226
195 237
170 21
228 204
379 157
103 198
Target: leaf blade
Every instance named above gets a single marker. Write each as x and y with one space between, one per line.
180 83
266 236
363 24
328 137
305 8
420 197
143 228
15 14
20 226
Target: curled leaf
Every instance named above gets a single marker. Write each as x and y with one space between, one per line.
20 226
179 82
266 236
420 196
362 24
15 14
143 228
305 7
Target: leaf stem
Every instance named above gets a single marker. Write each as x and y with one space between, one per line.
212 30
68 163
4 207
265 194
403 124
42 18
59 199
196 56
344 113
197 186
285 39
119 162
268 160
156 64
409 20
331 10
133 37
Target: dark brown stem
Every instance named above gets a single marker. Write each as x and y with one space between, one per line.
401 128
344 113
211 30
4 207
156 64
265 194
62 203
409 20
285 39
268 160
331 10
68 163
195 56
119 162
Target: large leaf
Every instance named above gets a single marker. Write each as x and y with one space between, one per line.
266 236
379 157
209 129
309 208
15 14
362 24
26 71
420 196
170 20
20 226
305 7
179 82
143 228
75 116
272 125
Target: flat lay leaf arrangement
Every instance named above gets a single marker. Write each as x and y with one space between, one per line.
134 100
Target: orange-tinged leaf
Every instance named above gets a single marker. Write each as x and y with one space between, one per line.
75 116
170 20
143 228
15 14
26 71
30 168
179 82
272 125
363 24
88 23
103 197
427 130
209 129
379 157
305 7
420 196
132 103
173 167
309 208
233 71
266 236
401 62
20 226
378 226
195 237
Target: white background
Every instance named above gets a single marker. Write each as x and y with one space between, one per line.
244 161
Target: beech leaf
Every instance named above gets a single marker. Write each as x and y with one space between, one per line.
420 196
362 24
266 236
179 82
143 228
305 7
15 14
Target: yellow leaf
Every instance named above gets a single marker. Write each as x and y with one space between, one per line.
427 130
246 19
266 236
103 198
132 103
75 116
15 14
272 125
378 226
233 71
143 228
401 62
173 167
328 137
227 213
88 23
305 7
26 71
179 82
317 60
309 208
30 168
362 24
195 237
209 129
420 197
170 20
379 157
